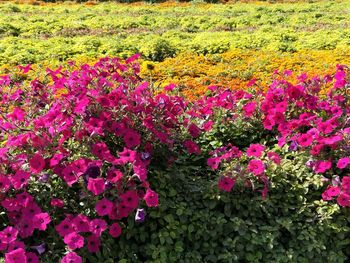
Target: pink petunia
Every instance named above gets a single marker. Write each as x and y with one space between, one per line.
16 256
97 226
32 257
192 147
344 199
305 140
255 150
214 162
132 138
256 167
343 162
37 163
103 207
41 221
96 186
274 157
65 227
249 109
25 228
226 183
72 257
330 192
130 199
74 241
93 243
151 198
20 179
8 235
322 166
5 183
115 230
81 223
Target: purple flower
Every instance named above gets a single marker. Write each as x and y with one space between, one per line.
44 178
293 146
39 248
145 156
140 215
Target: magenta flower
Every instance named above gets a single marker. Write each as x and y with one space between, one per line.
93 243
305 140
103 207
192 147
5 183
97 226
132 138
72 257
16 256
330 192
8 235
226 183
344 199
96 186
214 162
74 240
41 221
81 223
130 199
115 230
249 108
65 227
256 167
322 166
151 198
32 257
20 179
343 162
255 150
36 163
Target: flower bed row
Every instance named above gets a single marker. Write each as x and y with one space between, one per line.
77 150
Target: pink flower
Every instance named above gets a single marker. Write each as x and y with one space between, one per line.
57 202
36 163
151 198
322 166
41 221
132 138
305 140
274 157
249 108
96 186
346 183
81 223
192 147
343 199
97 226
8 235
65 227
20 179
72 257
93 243
32 257
330 192
256 167
5 183
343 162
127 155
214 162
226 183
74 240
26 228
103 207
194 130
16 256
130 199
115 230
255 150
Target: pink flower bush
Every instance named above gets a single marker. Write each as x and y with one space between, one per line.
88 137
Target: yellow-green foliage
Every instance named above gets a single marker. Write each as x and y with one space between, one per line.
33 33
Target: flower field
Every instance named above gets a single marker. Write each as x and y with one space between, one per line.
174 132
